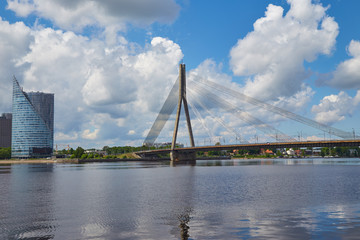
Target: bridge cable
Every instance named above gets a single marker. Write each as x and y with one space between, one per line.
164 115
200 118
230 129
277 110
255 122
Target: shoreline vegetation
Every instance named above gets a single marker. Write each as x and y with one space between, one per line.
127 154
113 160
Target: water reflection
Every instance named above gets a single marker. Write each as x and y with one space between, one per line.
182 193
112 166
183 163
279 161
26 210
261 199
307 223
184 220
5 169
289 202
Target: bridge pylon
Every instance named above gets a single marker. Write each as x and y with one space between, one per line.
175 155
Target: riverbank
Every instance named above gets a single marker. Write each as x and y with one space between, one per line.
111 160
92 160
76 161
38 161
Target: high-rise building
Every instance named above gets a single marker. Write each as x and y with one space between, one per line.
32 123
5 130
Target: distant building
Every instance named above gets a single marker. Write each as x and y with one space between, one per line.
167 145
32 123
5 130
266 151
290 152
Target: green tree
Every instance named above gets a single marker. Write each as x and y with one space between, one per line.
106 149
79 152
332 152
324 151
341 151
5 153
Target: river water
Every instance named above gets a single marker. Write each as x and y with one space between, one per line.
228 199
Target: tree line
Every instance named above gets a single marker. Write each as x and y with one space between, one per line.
112 152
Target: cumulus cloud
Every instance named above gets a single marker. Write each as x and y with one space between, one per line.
209 70
101 90
296 102
335 108
272 55
77 14
90 135
108 90
225 117
66 137
14 44
314 138
131 132
346 75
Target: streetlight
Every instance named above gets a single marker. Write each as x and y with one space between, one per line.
300 135
354 133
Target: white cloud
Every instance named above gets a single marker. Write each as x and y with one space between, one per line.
118 87
77 14
157 69
238 123
89 134
347 74
335 108
357 98
108 89
272 55
66 137
14 44
298 101
22 7
314 138
209 70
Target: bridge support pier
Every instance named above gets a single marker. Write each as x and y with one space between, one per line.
182 157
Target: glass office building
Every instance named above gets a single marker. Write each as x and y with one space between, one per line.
32 123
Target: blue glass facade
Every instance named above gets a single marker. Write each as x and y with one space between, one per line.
32 123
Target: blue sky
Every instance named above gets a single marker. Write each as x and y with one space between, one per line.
111 64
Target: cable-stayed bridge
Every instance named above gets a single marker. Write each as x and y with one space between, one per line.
209 96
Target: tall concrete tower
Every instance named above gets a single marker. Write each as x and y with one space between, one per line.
174 155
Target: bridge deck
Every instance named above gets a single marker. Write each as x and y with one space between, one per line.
272 145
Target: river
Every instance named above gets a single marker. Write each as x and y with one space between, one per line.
228 199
